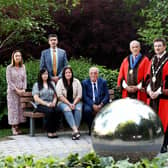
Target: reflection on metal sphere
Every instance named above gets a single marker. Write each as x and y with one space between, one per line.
127 128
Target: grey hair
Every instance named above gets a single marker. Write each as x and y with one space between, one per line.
93 68
135 41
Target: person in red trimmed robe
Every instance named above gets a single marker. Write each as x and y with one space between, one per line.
133 72
157 88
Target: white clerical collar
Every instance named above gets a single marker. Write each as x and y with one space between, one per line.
160 56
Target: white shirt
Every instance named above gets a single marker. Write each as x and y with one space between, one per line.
124 85
158 91
51 50
160 56
93 89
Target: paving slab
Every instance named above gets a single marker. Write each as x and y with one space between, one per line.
42 146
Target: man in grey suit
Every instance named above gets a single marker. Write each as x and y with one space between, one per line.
53 59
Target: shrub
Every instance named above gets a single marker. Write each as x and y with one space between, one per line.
3 85
32 69
90 160
81 71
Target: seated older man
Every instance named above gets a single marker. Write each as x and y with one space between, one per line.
95 95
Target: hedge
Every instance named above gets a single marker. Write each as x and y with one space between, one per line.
80 68
90 160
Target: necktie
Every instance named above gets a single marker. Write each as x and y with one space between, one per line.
95 94
54 63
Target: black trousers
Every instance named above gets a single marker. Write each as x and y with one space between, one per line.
165 141
51 116
88 115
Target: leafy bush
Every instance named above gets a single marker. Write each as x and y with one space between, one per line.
80 68
90 160
81 71
3 88
32 69
3 85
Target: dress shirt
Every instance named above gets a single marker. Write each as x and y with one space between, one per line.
158 91
124 85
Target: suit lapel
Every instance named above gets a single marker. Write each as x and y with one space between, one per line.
99 86
58 53
90 88
49 58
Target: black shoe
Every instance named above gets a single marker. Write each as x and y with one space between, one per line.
163 149
76 136
90 132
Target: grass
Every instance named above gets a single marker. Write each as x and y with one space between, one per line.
5 133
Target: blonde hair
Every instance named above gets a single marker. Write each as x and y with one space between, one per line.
13 60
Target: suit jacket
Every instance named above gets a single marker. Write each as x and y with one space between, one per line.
46 62
87 91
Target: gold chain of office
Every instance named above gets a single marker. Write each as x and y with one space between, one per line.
157 70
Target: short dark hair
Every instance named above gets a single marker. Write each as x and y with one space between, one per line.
52 35
160 40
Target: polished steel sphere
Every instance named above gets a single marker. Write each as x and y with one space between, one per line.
127 128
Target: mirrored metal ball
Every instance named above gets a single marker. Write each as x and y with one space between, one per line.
127 128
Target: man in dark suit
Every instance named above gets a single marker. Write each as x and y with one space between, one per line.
95 95
53 59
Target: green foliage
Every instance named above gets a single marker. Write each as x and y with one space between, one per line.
28 19
111 78
32 69
5 133
3 86
81 71
3 89
80 68
90 160
156 21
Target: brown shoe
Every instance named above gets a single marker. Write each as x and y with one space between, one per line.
14 131
18 130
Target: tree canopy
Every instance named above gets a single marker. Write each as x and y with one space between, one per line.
89 28
28 19
155 21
